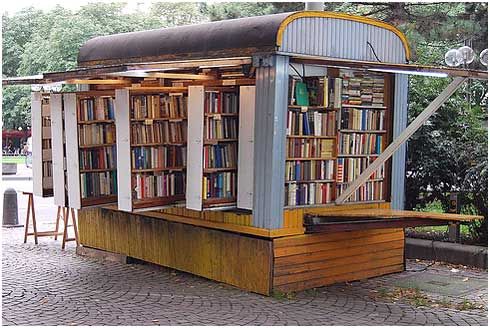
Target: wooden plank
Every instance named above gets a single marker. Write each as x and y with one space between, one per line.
58 154
36 133
242 261
389 213
195 121
335 258
246 131
278 252
321 238
123 150
344 277
372 261
72 162
333 252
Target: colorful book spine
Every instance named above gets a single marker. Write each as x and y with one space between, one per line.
311 123
160 132
159 157
96 134
309 170
217 102
158 106
96 108
369 191
220 156
360 144
98 184
219 185
221 127
98 158
308 193
158 185
362 119
306 148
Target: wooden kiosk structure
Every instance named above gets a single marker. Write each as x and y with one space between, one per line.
263 152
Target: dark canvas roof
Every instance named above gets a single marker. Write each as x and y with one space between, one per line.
235 37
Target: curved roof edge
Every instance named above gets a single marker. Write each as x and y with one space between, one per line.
228 38
331 14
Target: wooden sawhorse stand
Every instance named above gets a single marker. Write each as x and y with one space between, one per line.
66 216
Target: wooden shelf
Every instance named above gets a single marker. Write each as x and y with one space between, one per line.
309 159
157 201
143 120
97 146
215 141
159 144
311 137
331 203
177 168
364 106
362 131
218 201
96 122
358 155
310 181
97 170
322 108
91 201
219 169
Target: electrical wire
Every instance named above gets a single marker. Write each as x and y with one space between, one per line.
372 49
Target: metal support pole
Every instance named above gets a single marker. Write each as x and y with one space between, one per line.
404 136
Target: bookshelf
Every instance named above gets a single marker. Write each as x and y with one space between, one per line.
90 148
336 126
42 160
213 134
152 148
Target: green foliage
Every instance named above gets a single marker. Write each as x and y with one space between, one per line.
16 104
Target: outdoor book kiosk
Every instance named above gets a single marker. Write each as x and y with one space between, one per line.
265 152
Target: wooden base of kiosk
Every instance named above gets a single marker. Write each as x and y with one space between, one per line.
252 262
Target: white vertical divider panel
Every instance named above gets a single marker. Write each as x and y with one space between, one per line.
123 146
37 149
195 128
72 162
246 147
57 143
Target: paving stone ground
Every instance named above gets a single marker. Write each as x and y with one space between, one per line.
43 285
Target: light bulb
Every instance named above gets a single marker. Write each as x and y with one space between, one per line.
453 58
484 57
468 54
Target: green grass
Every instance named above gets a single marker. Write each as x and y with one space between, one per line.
14 159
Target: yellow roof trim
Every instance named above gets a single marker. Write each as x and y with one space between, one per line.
327 14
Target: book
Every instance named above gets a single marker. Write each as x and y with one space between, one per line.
301 94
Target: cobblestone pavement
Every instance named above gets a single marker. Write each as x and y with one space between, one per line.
43 285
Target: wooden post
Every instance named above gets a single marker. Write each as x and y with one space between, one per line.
404 136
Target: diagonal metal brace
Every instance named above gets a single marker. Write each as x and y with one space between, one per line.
404 136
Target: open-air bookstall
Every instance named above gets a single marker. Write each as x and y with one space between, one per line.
264 152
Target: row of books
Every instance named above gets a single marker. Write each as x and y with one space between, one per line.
219 185
371 190
362 119
158 185
361 88
96 108
304 148
220 102
321 91
309 170
47 169
223 128
348 169
98 158
97 184
220 156
308 194
159 132
158 157
360 143
46 144
311 123
159 106
95 134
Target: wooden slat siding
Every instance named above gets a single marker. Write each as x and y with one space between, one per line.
242 261
316 238
315 260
